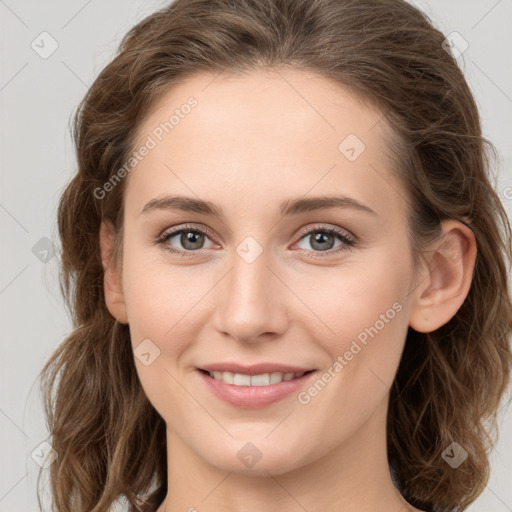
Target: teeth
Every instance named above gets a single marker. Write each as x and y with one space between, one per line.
239 379
260 380
276 378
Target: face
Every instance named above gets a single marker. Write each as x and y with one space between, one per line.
273 276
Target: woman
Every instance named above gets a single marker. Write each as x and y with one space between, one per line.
286 267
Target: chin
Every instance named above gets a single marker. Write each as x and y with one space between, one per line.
258 458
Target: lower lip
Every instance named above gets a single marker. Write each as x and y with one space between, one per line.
253 397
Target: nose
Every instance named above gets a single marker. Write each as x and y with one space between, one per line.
251 301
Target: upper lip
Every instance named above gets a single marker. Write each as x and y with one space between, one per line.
254 369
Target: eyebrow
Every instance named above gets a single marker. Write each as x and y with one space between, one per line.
288 207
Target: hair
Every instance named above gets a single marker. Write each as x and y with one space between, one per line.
110 440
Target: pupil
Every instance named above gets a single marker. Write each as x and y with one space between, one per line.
191 240
319 238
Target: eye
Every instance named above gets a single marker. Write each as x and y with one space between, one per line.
190 238
322 239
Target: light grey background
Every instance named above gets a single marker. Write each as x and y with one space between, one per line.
38 97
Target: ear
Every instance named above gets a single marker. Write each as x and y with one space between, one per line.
112 284
450 265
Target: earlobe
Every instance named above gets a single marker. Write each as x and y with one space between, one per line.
112 284
440 294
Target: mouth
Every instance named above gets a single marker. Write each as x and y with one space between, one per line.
263 379
252 390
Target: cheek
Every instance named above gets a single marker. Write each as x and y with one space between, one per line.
159 296
364 321
159 299
345 301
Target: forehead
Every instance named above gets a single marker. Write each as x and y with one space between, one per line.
257 100
274 133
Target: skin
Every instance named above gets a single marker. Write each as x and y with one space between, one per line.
252 142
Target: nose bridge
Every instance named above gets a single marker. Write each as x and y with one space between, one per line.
251 302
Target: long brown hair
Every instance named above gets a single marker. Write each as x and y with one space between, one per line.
109 439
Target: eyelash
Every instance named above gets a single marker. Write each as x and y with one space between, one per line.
344 236
348 241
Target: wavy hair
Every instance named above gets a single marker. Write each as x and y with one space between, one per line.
110 440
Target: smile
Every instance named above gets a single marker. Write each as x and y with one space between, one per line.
264 379
255 391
